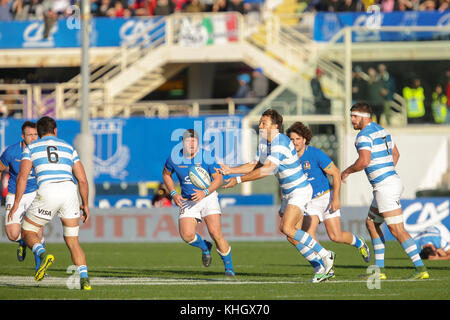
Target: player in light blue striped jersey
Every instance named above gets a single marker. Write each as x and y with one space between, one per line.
325 205
57 165
277 155
378 156
434 242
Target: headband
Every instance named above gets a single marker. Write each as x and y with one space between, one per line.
361 114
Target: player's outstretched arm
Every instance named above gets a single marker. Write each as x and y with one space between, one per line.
259 172
21 184
242 169
83 187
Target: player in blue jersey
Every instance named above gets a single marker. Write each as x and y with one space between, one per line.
277 155
57 165
325 203
378 156
195 204
434 242
10 158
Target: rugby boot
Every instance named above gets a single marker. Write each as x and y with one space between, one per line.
420 273
365 251
21 252
46 261
85 284
206 255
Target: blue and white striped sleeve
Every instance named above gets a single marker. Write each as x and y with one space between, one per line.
26 154
278 154
75 156
363 143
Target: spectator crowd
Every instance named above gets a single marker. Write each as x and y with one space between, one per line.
424 102
384 5
40 9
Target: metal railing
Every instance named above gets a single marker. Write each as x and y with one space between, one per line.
283 43
34 101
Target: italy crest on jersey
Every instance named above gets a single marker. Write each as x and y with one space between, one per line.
306 165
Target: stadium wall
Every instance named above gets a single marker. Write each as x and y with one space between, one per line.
239 223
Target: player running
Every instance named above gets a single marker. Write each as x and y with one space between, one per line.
197 205
11 159
56 163
378 156
277 155
325 203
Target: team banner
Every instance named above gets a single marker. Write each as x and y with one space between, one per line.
136 201
135 149
113 32
327 24
421 213
239 222
105 32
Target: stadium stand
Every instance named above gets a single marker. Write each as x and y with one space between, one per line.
283 38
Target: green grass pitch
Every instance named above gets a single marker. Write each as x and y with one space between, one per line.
173 271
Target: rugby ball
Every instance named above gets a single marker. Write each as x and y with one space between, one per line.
199 177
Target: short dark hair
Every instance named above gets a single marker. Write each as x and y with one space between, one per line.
425 253
46 125
275 117
28 124
362 106
302 130
190 133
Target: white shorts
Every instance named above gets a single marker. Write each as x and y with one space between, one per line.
298 197
55 198
198 210
24 204
386 196
318 207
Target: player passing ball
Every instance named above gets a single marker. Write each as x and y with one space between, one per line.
277 155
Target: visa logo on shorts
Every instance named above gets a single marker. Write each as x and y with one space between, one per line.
45 212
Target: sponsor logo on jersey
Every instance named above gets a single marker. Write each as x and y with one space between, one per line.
45 212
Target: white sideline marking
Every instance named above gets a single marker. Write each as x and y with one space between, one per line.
116 281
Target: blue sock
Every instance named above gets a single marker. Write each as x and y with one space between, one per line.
38 250
227 260
411 249
378 248
310 256
83 271
356 242
304 238
199 243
